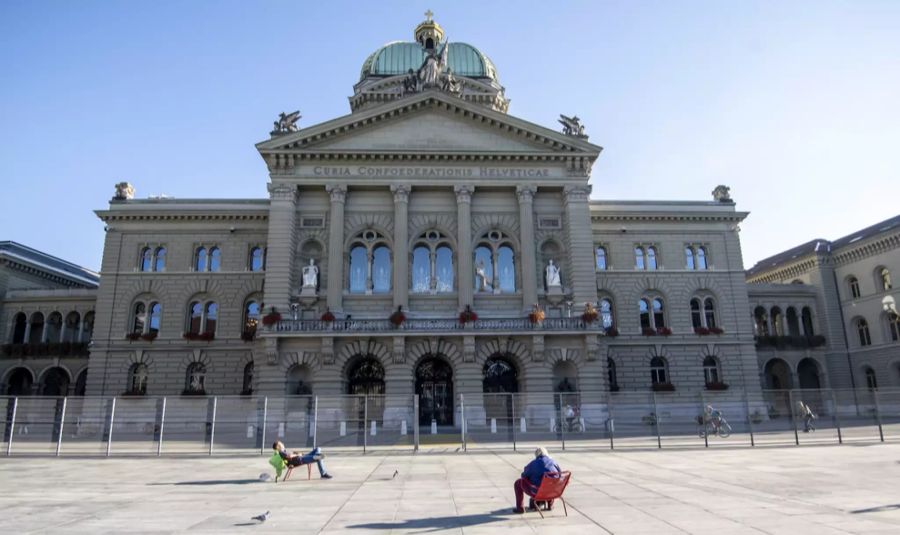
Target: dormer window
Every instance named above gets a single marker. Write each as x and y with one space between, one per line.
429 44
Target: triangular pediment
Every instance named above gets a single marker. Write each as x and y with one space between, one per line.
430 122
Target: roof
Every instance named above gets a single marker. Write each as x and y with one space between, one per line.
822 245
399 57
57 266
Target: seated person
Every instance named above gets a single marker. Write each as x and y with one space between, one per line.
295 459
531 478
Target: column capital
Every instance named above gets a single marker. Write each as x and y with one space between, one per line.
464 193
577 193
401 192
338 192
525 193
282 192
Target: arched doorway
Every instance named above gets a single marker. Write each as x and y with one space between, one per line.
778 375
501 378
298 383
565 384
81 383
19 382
55 382
808 374
365 377
434 386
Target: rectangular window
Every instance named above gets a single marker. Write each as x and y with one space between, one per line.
312 222
550 223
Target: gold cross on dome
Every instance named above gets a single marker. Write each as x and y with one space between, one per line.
428 15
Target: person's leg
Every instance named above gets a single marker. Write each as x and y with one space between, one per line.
520 495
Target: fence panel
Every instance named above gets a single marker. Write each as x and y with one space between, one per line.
84 431
290 420
390 421
188 426
135 427
584 418
7 405
238 424
495 420
633 422
37 425
772 417
889 408
823 426
857 412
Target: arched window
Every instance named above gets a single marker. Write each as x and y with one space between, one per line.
659 316
370 263
793 322
160 263
247 383
55 382
139 321
639 258
611 374
200 259
499 375
884 279
202 318
251 318
36 336
689 258
137 379
651 258
710 370
19 324
495 268
215 259
807 320
600 255
652 313
777 321
761 321
644 310
147 259
212 315
70 330
195 318
659 372
87 331
862 329
155 317
696 313
366 377
709 313
257 259
893 321
195 378
81 383
701 258
853 284
871 380
54 328
606 313
432 269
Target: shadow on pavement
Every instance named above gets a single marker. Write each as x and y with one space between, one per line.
437 523
879 509
212 482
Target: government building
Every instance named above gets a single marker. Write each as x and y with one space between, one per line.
431 243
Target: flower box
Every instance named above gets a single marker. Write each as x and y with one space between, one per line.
131 337
150 336
663 387
192 392
271 318
664 331
718 385
327 316
132 393
648 331
716 330
612 331
702 331
467 316
201 337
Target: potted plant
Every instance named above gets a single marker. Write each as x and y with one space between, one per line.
328 316
664 331
648 331
701 331
536 315
398 317
716 330
271 318
590 314
467 316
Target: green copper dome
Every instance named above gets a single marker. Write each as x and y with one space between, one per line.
399 57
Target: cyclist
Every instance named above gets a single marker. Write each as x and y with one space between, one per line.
808 416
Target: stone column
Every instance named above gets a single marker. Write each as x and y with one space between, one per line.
281 247
582 274
464 257
526 236
336 248
401 245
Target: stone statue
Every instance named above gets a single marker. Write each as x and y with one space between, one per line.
124 192
721 194
572 126
286 123
311 275
552 275
485 280
410 83
430 71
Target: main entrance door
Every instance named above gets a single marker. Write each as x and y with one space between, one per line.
501 381
434 385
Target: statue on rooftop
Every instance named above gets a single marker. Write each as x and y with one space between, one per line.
286 123
572 126
722 194
124 192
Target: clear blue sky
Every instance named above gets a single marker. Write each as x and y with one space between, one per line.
795 105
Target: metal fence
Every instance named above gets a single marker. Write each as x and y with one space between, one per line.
139 425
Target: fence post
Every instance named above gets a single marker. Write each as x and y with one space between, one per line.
462 417
315 428
610 421
656 422
703 426
365 430
265 422
793 416
12 426
62 422
749 418
212 428
112 420
162 427
415 422
837 417
877 413
513 422
562 424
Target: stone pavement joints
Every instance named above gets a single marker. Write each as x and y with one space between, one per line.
818 490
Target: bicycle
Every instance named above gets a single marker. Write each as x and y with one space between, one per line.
714 426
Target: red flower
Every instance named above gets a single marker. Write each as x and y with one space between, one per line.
327 316
664 331
271 318
716 330
398 317
702 331
649 331
467 315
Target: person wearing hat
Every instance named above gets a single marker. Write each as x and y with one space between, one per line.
531 479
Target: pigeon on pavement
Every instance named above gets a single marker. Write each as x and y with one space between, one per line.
262 517
395 474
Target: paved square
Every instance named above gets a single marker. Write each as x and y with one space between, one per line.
822 490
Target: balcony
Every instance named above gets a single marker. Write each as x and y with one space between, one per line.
574 325
789 342
45 349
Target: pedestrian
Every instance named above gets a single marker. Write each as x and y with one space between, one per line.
531 478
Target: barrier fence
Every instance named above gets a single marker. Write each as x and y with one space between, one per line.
172 425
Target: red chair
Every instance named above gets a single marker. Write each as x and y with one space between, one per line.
308 471
553 485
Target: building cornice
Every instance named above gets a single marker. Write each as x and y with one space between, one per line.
163 215
795 269
866 249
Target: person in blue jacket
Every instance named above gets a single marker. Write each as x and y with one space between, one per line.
531 478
